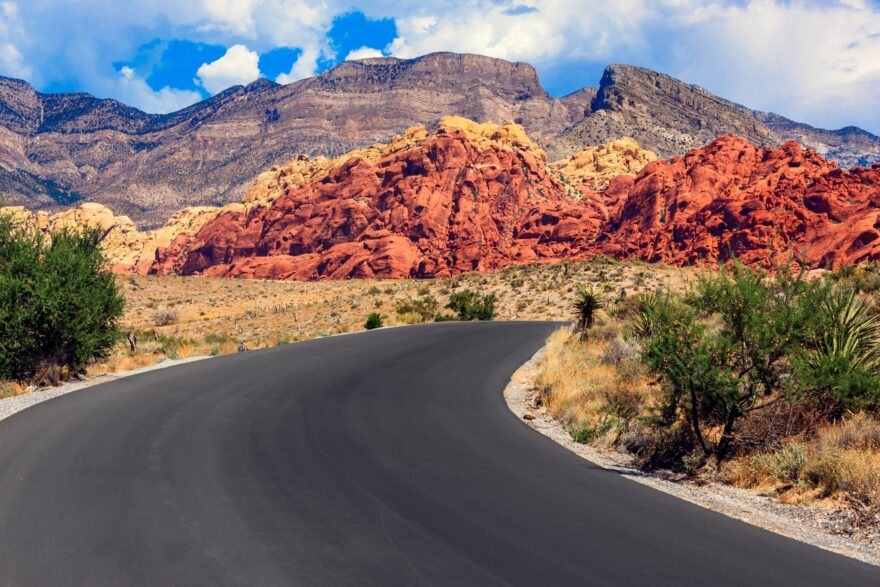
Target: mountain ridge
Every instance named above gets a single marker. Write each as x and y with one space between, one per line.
58 149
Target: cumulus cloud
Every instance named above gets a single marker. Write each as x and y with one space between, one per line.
134 91
239 65
536 31
814 60
306 65
229 15
363 53
12 35
808 61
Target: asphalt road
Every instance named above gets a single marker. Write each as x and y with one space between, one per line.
384 458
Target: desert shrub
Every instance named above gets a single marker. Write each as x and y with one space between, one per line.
165 318
839 367
722 352
426 307
468 305
860 432
785 464
410 318
583 433
374 320
620 349
587 302
10 389
58 305
603 260
374 291
846 457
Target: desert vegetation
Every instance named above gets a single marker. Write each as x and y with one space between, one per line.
765 380
59 309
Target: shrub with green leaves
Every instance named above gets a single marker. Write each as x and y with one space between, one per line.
58 304
723 350
374 320
839 367
469 305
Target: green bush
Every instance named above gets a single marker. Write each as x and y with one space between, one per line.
58 305
839 367
723 351
374 320
469 305
785 464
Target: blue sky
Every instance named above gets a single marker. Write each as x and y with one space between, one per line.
812 60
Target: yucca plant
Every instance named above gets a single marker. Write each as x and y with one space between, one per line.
841 367
644 322
587 302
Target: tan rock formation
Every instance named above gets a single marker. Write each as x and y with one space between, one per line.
595 167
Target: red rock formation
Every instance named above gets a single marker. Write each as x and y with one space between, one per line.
479 197
469 199
732 198
440 207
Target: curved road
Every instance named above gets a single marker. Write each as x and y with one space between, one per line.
384 458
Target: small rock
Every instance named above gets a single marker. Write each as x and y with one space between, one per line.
528 417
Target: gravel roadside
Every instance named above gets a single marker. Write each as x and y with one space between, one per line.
828 529
15 404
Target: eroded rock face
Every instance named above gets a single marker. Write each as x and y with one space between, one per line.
595 167
478 197
733 198
671 117
467 197
127 249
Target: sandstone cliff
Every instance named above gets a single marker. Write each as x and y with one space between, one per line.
469 196
58 149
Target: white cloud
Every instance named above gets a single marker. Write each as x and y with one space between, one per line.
134 91
363 53
229 15
535 31
306 65
239 65
813 62
12 35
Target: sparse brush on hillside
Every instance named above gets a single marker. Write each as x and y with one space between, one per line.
762 371
469 305
58 306
374 320
421 309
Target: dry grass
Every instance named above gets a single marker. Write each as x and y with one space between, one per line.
593 385
262 313
846 458
11 389
597 390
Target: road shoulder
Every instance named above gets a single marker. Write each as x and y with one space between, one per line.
808 525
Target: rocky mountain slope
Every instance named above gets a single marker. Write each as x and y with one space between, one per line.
670 117
57 149
463 196
470 196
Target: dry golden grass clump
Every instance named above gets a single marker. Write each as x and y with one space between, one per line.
595 386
